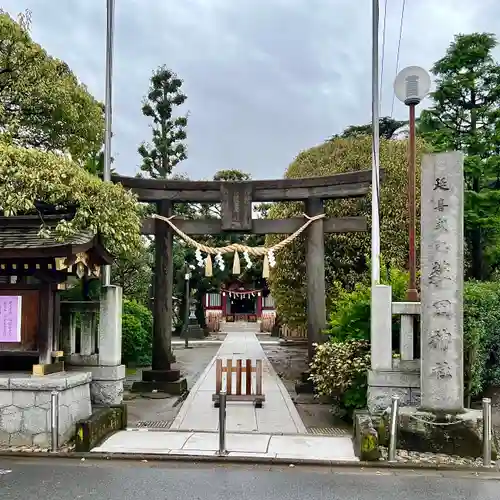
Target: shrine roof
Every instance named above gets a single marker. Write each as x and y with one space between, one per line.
20 238
28 237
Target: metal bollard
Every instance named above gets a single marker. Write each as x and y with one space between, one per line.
487 432
222 423
54 420
393 430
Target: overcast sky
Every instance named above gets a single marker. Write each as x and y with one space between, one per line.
265 79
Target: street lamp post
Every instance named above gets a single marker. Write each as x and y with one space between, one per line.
411 86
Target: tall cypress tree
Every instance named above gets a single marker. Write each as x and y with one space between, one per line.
167 147
465 117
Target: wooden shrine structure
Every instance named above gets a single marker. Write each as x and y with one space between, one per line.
236 199
31 269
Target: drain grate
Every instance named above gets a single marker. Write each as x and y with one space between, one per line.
329 431
151 424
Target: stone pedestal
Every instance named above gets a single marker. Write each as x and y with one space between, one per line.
193 330
108 374
167 381
403 380
420 431
25 407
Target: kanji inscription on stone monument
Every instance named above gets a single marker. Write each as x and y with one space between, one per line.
442 283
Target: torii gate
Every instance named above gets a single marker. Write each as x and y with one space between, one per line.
236 199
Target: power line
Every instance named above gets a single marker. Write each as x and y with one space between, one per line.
399 50
383 53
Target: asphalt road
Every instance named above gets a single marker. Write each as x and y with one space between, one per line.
109 480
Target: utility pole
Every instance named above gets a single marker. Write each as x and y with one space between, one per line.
375 248
108 105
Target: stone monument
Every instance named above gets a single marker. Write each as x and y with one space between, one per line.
442 258
440 423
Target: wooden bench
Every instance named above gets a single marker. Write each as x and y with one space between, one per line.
257 397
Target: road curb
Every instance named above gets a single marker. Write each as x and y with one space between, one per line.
150 457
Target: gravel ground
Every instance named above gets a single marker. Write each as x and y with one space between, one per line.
68 447
404 456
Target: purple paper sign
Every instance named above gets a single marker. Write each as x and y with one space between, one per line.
10 318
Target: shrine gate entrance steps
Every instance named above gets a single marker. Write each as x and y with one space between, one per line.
278 414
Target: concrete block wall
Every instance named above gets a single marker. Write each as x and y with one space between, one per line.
25 407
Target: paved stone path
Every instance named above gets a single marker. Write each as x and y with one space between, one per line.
275 430
278 414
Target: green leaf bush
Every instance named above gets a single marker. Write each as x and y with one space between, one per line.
349 317
339 371
339 368
29 176
345 253
137 334
481 336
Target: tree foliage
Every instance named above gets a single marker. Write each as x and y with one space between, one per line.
29 177
42 103
387 127
465 116
167 148
134 274
345 253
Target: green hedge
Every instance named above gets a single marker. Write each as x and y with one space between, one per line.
481 336
350 323
137 334
349 318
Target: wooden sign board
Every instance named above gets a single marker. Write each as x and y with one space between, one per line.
236 200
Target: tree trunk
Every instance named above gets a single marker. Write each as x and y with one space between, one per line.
162 305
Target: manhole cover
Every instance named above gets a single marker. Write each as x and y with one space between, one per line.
329 431
160 424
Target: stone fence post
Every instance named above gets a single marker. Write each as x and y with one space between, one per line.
381 328
108 376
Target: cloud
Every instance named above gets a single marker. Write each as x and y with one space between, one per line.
265 79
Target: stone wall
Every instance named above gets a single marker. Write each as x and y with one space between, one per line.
403 379
389 375
25 413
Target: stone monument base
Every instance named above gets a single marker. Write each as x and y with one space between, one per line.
194 332
403 380
462 436
167 381
25 400
106 388
417 431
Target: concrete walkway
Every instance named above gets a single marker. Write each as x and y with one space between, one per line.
274 431
278 414
249 445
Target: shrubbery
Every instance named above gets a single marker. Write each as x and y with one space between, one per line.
339 369
340 366
345 252
481 336
137 334
350 314
29 177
